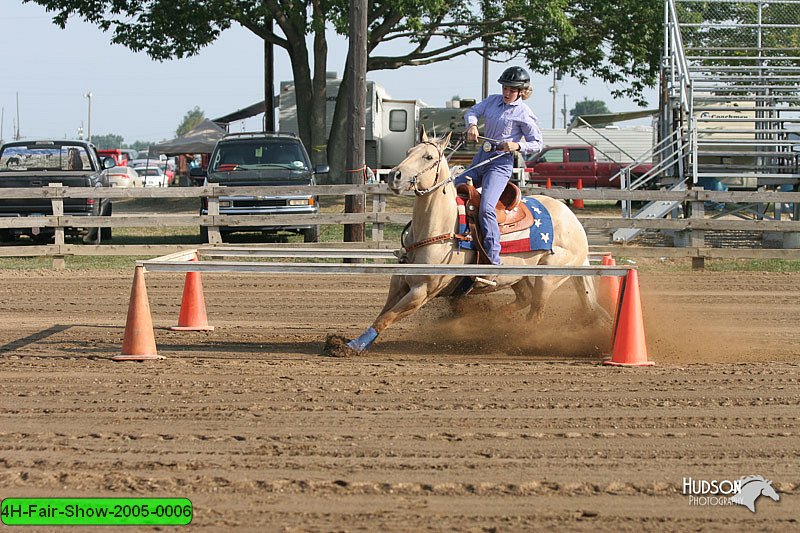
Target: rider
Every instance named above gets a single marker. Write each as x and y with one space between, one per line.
508 121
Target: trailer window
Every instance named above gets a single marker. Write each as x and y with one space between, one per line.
398 120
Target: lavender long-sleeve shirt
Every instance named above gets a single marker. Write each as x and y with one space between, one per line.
507 122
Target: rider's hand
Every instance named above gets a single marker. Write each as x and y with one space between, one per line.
508 146
472 133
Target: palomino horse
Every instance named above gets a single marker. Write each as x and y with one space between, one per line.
435 220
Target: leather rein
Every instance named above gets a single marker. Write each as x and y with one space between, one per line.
436 185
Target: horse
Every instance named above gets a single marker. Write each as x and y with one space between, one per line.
425 172
751 488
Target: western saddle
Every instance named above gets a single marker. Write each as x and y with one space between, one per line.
512 214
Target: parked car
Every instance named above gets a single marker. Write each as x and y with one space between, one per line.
145 162
167 165
37 163
123 177
153 176
258 160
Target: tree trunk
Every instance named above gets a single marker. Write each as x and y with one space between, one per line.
319 104
301 73
337 142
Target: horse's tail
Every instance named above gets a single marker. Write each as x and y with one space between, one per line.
586 287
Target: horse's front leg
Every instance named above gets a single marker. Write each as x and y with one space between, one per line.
414 298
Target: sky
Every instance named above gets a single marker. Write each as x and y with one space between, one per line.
146 100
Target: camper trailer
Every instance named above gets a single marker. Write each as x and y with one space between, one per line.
392 127
391 124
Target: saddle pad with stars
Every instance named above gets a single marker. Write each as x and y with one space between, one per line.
537 237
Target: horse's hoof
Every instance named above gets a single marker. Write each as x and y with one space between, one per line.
336 346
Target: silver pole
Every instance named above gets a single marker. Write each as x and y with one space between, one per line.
89 122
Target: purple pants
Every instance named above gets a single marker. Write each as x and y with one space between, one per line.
492 179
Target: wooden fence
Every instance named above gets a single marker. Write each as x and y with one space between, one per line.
692 227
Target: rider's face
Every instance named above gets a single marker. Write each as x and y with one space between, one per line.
510 94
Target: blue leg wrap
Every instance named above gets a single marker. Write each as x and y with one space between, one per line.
363 342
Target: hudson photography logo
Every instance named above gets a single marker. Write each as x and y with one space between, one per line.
743 491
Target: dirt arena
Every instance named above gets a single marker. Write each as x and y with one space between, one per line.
440 427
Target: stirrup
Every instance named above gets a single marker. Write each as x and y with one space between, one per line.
491 281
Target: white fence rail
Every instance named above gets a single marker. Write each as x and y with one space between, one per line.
378 217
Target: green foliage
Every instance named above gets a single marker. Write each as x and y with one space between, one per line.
619 42
589 107
190 121
141 146
107 142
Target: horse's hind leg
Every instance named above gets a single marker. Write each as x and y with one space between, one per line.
543 288
523 292
587 293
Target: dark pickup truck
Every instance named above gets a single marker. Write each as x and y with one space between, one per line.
258 159
42 162
565 165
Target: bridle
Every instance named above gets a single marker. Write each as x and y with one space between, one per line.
436 183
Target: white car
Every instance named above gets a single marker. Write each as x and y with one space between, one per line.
143 162
153 176
123 177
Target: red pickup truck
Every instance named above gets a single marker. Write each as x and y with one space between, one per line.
564 165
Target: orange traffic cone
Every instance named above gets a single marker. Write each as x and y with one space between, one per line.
628 343
192 316
578 202
139 343
548 184
609 287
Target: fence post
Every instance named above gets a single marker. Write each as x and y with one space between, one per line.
57 201
378 206
697 238
214 236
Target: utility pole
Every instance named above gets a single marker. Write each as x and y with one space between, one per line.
2 119
269 82
17 135
89 122
356 125
564 111
553 90
485 88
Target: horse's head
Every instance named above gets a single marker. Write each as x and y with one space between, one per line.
421 168
769 491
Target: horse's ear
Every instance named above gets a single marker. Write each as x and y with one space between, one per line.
445 140
423 137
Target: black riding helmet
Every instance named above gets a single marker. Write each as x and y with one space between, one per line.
516 77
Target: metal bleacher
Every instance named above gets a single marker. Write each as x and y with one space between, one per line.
730 115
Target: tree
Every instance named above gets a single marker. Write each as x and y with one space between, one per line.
190 121
579 37
141 146
107 142
589 107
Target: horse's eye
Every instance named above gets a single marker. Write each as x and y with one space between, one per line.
429 157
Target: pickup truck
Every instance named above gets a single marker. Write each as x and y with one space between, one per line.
259 159
565 165
38 163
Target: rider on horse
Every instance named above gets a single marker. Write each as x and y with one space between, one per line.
508 121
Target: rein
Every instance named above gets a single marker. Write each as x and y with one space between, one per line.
438 184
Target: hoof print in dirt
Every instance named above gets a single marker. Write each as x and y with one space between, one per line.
336 346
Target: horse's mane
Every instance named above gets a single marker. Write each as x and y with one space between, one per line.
745 480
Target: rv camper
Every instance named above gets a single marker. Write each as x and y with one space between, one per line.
391 124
